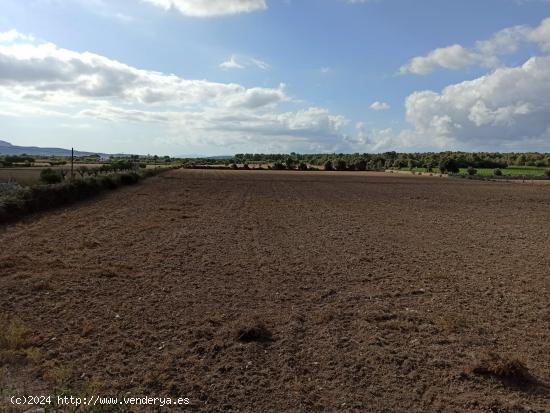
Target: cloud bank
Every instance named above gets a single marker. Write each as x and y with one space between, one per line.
507 108
36 77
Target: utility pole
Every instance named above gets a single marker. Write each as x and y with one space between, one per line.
72 164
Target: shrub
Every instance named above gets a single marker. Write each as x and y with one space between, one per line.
12 204
328 166
471 170
107 182
302 166
19 159
278 165
42 197
82 171
128 178
547 173
497 172
49 176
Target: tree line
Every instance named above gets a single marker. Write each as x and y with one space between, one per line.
386 160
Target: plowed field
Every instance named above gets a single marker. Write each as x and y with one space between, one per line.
374 293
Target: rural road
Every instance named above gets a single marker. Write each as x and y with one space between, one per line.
380 291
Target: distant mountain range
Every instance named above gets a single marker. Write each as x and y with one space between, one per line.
7 148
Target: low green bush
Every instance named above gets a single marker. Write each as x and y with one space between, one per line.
128 178
41 197
107 181
547 173
50 176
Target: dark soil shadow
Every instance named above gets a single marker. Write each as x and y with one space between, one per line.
258 333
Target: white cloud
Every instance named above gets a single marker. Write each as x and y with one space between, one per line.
260 64
485 53
241 62
13 35
313 126
231 64
43 71
504 109
451 57
209 8
379 106
39 79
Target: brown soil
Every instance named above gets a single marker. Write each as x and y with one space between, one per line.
265 291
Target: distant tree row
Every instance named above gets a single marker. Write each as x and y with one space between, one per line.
450 161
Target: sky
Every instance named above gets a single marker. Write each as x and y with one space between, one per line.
219 77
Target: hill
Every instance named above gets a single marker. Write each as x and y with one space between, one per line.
7 148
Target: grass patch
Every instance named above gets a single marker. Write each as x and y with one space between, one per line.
13 333
515 171
15 342
527 171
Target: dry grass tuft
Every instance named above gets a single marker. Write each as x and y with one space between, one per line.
15 342
57 375
13 333
511 371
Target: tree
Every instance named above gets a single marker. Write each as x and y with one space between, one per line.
328 166
449 165
302 166
49 176
497 172
341 165
361 165
547 173
471 170
290 162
